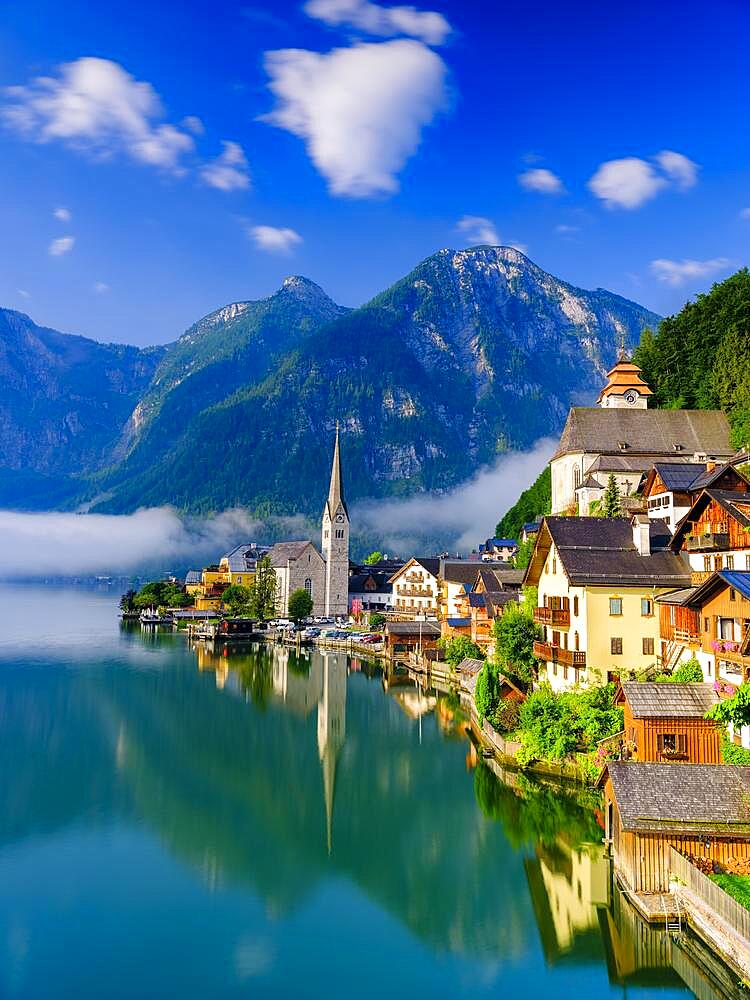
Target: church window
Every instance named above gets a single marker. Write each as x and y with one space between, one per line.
576 477
325 533
308 586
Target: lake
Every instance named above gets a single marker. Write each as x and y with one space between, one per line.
251 822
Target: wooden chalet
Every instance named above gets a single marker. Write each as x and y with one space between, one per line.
715 533
402 638
701 810
666 722
679 627
722 608
672 487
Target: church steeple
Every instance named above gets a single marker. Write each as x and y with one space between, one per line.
336 489
625 387
335 540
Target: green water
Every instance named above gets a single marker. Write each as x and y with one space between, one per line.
192 824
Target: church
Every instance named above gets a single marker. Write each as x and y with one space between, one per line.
621 436
325 574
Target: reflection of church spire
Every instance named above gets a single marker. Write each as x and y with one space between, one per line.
331 730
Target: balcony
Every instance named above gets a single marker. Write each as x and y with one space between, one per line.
567 657
709 541
552 616
414 592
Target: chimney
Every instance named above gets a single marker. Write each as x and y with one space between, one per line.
710 466
642 534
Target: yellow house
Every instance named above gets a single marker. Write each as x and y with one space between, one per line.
236 567
597 580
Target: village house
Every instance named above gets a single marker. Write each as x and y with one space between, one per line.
498 549
415 588
529 530
403 637
622 437
493 589
671 488
715 533
597 580
701 810
369 590
667 722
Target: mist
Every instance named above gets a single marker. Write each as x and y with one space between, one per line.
456 521
159 540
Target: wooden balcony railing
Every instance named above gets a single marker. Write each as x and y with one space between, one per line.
552 616
555 654
709 541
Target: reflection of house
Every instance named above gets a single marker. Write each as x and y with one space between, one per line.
299 690
623 438
597 579
667 722
699 809
415 587
567 887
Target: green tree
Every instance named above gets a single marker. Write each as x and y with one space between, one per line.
534 502
376 620
237 599
161 594
735 709
373 558
300 605
523 555
127 601
263 590
515 632
688 672
458 648
553 726
487 691
611 504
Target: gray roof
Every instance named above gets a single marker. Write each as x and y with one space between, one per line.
469 665
193 576
709 476
512 578
601 551
458 572
668 700
283 552
682 797
600 431
681 596
679 477
242 558
496 599
428 629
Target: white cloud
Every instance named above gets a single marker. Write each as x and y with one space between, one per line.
229 171
274 239
478 230
541 180
626 183
630 182
678 272
361 110
23 293
193 124
60 246
745 213
100 287
461 518
427 25
678 168
565 230
97 105
62 214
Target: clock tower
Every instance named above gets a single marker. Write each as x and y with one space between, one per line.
335 541
625 388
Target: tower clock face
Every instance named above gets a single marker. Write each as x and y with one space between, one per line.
631 396
339 517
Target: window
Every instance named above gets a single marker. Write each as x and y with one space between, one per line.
615 605
718 562
575 605
325 533
308 586
648 646
554 565
730 562
647 607
615 646
707 564
671 743
705 625
732 594
747 562
239 579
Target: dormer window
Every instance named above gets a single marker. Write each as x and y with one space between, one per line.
623 445
678 447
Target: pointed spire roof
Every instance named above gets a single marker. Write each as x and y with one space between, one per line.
336 489
624 376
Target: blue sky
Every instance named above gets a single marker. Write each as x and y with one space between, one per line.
160 160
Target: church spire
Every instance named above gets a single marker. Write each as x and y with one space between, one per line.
336 489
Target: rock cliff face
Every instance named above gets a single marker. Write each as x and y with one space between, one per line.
63 402
475 352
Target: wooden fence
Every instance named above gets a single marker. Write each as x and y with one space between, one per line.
711 894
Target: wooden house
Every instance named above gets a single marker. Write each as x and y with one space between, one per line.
701 810
402 638
715 533
679 628
666 722
722 608
672 487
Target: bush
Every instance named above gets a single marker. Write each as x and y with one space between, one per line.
506 716
487 691
300 605
688 672
376 620
553 726
459 648
731 753
515 631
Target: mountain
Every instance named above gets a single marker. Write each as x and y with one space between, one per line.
63 402
473 353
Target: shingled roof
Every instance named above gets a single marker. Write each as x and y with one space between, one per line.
685 798
600 431
284 552
667 700
597 551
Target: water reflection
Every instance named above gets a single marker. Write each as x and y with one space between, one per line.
299 781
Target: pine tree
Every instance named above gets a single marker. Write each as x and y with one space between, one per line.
611 505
